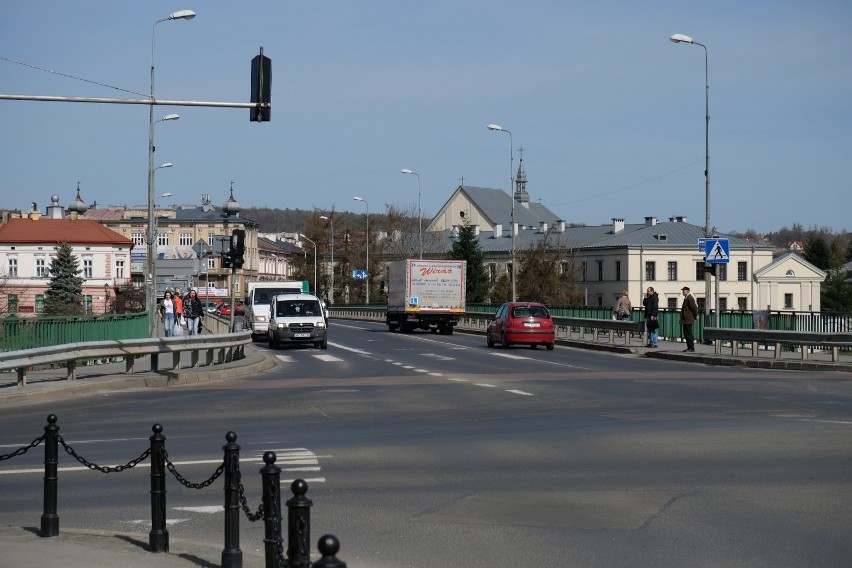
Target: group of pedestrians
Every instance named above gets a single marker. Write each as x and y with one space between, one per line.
651 303
179 313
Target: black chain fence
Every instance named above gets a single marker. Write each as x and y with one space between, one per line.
22 450
206 483
100 468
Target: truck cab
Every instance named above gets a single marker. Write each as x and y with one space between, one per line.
258 299
297 319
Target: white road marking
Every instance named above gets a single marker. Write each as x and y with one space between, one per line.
421 370
352 349
208 509
486 385
285 358
308 479
438 357
437 374
509 356
520 392
458 380
327 358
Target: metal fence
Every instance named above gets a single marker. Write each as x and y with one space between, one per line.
45 331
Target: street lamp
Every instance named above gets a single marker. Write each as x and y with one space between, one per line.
151 301
364 201
315 261
419 210
498 128
331 285
680 38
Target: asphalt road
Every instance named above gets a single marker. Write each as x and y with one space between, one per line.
427 450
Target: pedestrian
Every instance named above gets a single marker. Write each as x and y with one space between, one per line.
688 315
178 306
651 302
193 311
167 313
621 309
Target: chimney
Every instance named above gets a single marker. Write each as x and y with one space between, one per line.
455 231
498 231
617 225
678 219
476 230
515 229
650 221
542 227
560 226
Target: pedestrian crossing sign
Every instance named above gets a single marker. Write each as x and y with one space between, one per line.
717 251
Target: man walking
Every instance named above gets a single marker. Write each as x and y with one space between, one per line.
688 315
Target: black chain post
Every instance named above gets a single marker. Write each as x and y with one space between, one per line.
271 479
299 526
328 546
49 517
158 537
232 556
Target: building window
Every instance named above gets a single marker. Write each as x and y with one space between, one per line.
742 271
88 268
742 303
585 271
13 267
650 271
12 303
210 237
788 301
162 239
672 271
699 271
672 303
119 269
618 270
186 239
211 263
41 268
722 271
723 304
492 270
600 270
700 302
138 238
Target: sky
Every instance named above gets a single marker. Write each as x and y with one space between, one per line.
610 113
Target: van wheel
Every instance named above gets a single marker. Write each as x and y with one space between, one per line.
273 342
324 344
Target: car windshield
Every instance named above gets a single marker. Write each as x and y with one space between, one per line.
530 312
297 308
264 295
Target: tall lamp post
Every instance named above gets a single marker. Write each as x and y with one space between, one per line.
364 201
331 285
680 38
151 301
419 210
498 128
315 262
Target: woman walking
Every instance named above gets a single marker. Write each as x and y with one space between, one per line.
167 313
193 311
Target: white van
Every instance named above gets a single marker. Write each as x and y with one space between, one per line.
297 319
258 298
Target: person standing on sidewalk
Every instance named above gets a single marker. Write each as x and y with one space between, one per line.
178 306
652 309
688 315
167 313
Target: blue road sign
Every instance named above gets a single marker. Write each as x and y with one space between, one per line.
359 274
717 251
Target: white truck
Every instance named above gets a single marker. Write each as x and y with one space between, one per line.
258 298
425 294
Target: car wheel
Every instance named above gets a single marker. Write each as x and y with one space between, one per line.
550 347
488 340
504 343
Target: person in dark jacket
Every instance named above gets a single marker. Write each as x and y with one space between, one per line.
688 315
193 311
651 302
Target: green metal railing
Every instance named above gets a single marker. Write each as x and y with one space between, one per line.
44 331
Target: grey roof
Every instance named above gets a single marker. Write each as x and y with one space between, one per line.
496 206
207 214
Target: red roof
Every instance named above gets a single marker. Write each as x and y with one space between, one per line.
55 231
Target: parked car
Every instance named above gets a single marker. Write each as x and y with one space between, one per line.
521 322
223 310
209 306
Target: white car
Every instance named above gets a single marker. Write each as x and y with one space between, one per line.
297 319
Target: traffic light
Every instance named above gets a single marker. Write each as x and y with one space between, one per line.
261 88
227 260
238 248
710 269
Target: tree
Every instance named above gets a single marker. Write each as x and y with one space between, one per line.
546 274
817 251
466 247
836 292
65 292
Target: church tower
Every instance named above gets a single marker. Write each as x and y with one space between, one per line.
521 195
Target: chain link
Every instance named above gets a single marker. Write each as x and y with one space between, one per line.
253 517
282 560
206 483
22 450
103 469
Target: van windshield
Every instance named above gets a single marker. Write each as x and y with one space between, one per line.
297 308
264 295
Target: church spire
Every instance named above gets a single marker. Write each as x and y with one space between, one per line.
521 195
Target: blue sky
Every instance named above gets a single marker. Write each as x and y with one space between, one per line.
609 112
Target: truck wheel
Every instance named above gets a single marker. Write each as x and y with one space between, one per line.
392 328
435 330
449 330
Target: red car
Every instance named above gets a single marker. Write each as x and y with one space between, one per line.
224 309
521 322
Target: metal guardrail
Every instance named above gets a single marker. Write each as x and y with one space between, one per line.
228 346
801 340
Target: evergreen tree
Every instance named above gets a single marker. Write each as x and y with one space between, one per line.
65 293
466 247
817 251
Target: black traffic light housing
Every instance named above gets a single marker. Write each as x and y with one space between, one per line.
261 88
227 260
238 249
710 269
